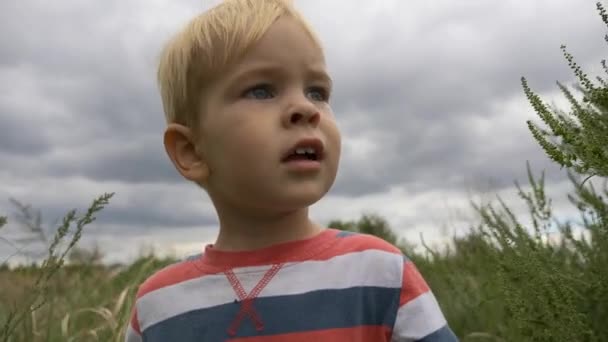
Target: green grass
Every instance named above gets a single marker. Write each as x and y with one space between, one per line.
501 282
82 303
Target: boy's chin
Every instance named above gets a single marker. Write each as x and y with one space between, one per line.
298 202
307 195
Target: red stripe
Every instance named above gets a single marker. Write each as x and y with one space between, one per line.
413 283
184 271
325 247
170 275
135 321
356 334
360 243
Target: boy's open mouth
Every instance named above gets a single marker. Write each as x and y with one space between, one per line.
305 149
302 154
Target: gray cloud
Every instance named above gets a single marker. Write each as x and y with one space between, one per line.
420 85
20 138
78 95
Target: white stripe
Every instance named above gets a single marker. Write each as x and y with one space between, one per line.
418 318
132 335
367 268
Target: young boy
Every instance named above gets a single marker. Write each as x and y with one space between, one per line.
245 93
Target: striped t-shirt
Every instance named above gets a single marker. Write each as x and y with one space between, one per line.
336 286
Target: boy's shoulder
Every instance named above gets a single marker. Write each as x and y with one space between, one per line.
359 242
369 252
171 274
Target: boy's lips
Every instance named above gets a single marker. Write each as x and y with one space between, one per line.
310 142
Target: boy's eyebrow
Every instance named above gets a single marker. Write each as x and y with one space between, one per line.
321 75
269 70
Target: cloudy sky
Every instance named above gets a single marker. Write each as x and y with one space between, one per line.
427 95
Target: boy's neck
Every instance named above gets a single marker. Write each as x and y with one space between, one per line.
250 233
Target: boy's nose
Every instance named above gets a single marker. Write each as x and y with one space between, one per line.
311 118
304 112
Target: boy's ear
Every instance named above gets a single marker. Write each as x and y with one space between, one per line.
180 146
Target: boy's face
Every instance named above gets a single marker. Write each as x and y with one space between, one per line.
274 98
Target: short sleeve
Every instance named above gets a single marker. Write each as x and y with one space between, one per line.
133 333
419 317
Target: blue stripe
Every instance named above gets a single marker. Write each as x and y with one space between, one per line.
193 257
346 233
444 334
324 309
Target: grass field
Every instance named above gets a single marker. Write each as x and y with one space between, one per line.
502 282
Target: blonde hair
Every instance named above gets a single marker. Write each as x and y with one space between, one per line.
208 46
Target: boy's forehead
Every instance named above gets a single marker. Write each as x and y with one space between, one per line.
272 68
288 57
285 46
286 39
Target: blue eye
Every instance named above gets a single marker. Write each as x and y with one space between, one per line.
259 92
318 94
